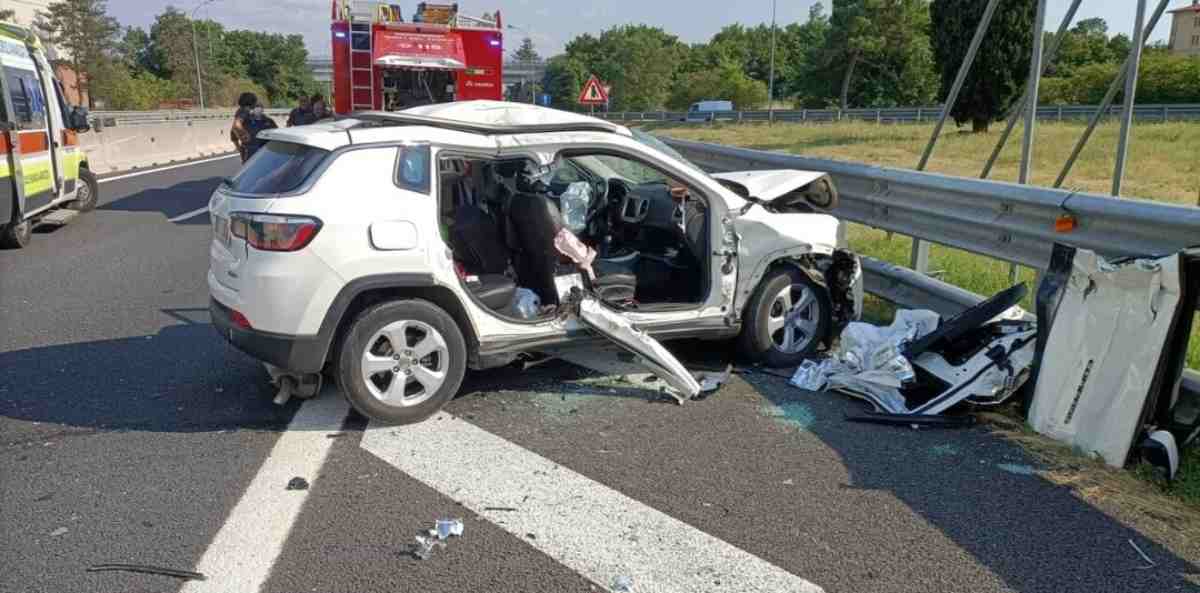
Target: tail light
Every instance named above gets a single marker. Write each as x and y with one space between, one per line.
238 319
274 232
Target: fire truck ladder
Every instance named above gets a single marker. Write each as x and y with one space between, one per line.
360 45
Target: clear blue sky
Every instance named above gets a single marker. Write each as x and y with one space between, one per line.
552 23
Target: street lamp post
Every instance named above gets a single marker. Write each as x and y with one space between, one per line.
196 52
771 84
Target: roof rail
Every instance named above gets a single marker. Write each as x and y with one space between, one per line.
384 118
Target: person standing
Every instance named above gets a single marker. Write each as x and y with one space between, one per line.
238 134
256 123
302 115
319 108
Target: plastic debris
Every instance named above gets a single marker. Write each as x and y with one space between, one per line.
811 375
569 245
622 584
58 532
423 548
527 304
297 483
448 527
148 569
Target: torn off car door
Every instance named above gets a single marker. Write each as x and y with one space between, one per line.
649 352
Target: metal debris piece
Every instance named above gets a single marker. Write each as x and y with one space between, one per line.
1150 562
58 532
622 584
711 381
297 483
148 569
423 548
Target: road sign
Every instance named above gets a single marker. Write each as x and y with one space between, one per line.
593 92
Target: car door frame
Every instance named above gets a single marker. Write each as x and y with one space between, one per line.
11 185
715 315
55 124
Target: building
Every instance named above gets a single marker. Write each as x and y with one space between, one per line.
26 10
1185 30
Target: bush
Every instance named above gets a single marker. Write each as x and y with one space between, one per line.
1163 79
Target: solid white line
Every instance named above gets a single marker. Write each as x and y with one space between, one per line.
584 525
167 168
240 557
187 215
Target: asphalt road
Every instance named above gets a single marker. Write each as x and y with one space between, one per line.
130 432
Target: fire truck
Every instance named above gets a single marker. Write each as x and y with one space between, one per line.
382 62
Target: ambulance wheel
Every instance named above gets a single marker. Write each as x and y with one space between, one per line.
87 195
16 234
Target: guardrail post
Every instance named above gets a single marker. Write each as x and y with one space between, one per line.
878 116
1166 113
739 117
662 116
918 115
919 257
1060 114
803 115
771 117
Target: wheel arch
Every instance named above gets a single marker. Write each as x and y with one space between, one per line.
363 293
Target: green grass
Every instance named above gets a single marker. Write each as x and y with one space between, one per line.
1163 166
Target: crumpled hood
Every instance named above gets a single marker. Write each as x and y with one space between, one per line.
768 185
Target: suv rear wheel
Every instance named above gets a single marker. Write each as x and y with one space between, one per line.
786 320
402 361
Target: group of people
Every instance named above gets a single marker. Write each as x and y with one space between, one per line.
250 119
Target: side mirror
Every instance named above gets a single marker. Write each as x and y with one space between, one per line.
79 119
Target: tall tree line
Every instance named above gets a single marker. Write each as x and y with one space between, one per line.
135 68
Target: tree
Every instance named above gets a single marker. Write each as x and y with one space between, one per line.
877 51
802 44
7 14
728 81
85 32
638 61
563 80
135 51
1001 67
526 53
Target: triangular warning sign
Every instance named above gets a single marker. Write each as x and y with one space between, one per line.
593 92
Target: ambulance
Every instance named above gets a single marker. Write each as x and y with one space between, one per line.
42 167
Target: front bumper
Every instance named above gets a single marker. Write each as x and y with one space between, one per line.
299 354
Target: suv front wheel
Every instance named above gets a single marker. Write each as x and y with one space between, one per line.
402 361
786 319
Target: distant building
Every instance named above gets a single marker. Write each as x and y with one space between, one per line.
26 10
1185 30
322 71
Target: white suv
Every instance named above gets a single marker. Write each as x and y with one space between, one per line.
396 250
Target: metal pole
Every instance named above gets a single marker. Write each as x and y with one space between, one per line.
1019 107
1135 57
771 84
196 55
961 77
1035 77
919 257
1108 97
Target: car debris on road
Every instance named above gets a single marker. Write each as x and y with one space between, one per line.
920 366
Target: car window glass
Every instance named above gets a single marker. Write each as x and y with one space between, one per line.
278 167
29 106
630 170
413 168
566 173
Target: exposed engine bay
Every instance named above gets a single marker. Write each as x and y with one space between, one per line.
523 235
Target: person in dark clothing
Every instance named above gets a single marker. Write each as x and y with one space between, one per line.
320 110
238 133
301 115
257 122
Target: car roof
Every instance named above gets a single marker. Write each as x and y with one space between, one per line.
469 121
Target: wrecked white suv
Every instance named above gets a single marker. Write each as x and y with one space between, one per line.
396 250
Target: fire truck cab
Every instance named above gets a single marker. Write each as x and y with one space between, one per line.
382 62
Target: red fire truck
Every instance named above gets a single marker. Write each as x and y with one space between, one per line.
381 62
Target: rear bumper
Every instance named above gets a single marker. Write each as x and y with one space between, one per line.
300 354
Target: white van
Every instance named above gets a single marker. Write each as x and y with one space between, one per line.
42 167
707 110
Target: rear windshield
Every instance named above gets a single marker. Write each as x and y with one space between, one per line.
278 167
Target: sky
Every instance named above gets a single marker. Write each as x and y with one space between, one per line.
552 23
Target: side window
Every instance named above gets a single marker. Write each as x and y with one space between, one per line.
413 168
629 169
29 105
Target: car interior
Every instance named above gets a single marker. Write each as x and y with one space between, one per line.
630 234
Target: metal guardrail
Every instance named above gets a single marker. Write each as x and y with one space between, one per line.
1006 221
1143 113
108 119
1010 222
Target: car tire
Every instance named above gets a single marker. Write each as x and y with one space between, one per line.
765 337
91 197
16 235
390 337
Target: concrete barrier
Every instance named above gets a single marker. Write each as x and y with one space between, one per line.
122 148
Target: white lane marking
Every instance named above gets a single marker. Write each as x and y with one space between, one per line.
584 525
167 168
187 215
240 557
